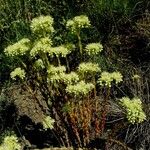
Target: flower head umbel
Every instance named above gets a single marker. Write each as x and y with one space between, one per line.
117 76
55 73
10 143
19 48
133 109
59 51
80 88
70 78
18 72
93 49
42 45
107 78
56 70
42 26
77 23
88 68
48 123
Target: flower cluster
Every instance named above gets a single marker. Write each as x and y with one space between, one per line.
10 143
93 49
78 22
52 70
42 45
55 73
59 51
107 78
39 64
19 48
80 88
48 123
117 76
18 72
134 110
42 26
88 68
70 78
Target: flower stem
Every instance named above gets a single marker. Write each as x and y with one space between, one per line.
79 42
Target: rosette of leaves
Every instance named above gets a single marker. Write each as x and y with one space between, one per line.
107 78
19 48
41 46
42 26
78 23
48 123
10 142
93 49
18 72
133 109
79 89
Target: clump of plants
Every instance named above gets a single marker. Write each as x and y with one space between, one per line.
77 107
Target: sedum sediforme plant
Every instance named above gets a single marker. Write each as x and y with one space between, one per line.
49 71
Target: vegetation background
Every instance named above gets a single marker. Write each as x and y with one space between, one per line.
123 27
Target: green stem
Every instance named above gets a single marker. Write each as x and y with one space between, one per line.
79 42
67 63
45 59
23 64
58 61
